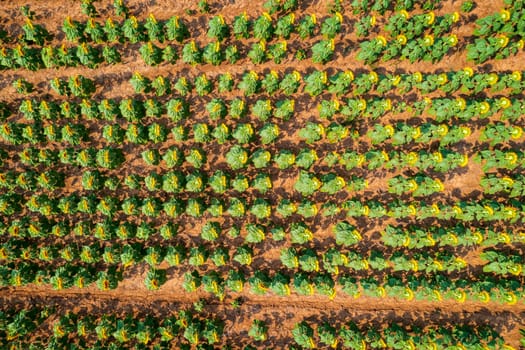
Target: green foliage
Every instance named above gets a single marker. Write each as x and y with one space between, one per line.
151 54
249 83
133 30
72 29
262 183
111 55
213 54
290 83
203 85
161 85
257 53
155 278
154 29
210 231
332 25
263 27
81 86
346 234
183 86
221 133
191 53
306 26
254 233
22 86
284 109
467 6
217 28
323 51
307 183
284 159
140 83
225 82
237 157
237 207
315 83
132 110
216 109
243 255
303 335
277 51
195 182
109 158
176 29
243 133
270 83
241 26
300 233
177 109
151 156
258 330
261 209
204 7
262 109
260 158
232 54
35 33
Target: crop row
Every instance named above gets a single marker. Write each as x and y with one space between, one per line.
33 58
426 48
406 32
219 182
136 112
467 211
416 236
340 83
332 261
237 157
513 186
498 35
442 160
109 330
431 287
190 327
394 336
413 236
245 133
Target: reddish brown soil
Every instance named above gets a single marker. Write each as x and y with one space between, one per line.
279 313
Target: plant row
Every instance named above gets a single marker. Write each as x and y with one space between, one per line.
186 328
425 48
340 83
498 35
245 133
178 109
34 58
440 161
133 32
466 211
417 237
512 186
431 287
308 260
264 27
394 336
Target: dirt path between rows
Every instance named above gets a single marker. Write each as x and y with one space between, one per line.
281 313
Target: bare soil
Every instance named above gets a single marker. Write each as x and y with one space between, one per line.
281 314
